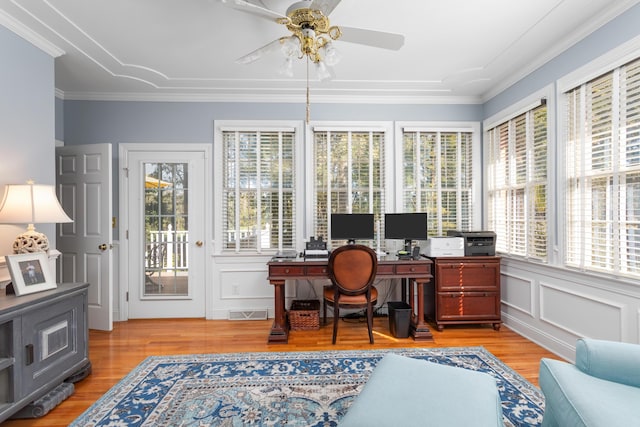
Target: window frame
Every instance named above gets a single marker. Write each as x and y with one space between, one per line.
526 104
385 127
221 126
449 127
610 62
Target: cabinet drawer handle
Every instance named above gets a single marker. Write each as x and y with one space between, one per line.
28 357
413 269
286 270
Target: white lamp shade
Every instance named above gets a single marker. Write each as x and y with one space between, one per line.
31 204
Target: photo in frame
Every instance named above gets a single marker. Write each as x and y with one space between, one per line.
30 273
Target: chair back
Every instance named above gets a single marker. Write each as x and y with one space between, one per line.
352 268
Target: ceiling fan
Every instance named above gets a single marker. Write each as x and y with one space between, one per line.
312 35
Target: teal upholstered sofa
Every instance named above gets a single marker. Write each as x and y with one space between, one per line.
601 389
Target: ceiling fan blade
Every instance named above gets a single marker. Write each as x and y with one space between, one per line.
245 6
372 38
258 53
325 6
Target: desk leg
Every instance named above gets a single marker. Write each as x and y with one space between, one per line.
419 328
280 329
404 281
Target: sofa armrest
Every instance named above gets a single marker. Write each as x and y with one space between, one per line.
609 360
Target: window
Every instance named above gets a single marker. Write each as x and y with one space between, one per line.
517 183
258 189
438 177
603 173
349 175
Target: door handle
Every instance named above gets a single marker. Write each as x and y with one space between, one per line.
103 247
199 243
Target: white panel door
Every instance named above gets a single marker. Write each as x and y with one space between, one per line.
166 233
83 178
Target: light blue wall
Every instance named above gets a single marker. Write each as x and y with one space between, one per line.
87 122
59 119
27 99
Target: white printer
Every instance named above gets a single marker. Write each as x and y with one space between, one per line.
444 246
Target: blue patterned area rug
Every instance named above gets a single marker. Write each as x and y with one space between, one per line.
277 389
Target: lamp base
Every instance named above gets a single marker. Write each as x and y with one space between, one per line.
30 241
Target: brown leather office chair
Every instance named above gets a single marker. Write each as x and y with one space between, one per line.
352 269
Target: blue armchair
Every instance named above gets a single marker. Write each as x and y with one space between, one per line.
601 389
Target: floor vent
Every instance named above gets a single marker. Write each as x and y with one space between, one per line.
248 314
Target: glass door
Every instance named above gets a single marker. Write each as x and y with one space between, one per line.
166 234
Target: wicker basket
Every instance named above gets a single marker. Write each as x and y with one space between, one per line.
304 315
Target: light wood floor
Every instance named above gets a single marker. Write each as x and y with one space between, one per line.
114 354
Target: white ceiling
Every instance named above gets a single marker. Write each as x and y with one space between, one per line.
454 51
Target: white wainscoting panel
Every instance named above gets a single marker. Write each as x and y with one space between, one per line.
517 292
554 306
579 313
244 284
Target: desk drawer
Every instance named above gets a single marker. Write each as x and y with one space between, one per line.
286 270
385 269
468 306
318 270
417 268
469 276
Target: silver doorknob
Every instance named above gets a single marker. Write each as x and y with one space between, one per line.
199 243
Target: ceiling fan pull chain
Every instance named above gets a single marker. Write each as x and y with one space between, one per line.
308 100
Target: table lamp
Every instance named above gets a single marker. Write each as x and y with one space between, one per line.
31 204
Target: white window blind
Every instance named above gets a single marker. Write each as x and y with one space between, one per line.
258 186
603 173
517 184
349 176
437 178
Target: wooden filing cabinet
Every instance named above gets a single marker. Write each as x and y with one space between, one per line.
465 290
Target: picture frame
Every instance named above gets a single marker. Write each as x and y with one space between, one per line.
30 273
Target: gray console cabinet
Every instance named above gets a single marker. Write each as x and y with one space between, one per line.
43 341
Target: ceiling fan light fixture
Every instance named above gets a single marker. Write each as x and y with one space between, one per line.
322 71
291 47
330 54
286 69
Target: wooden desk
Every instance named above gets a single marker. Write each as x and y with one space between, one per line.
417 271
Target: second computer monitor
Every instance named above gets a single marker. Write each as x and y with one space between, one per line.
352 227
406 226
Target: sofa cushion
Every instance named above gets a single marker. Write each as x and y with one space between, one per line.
409 392
574 398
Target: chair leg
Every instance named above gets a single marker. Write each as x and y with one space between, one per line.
336 319
324 312
370 322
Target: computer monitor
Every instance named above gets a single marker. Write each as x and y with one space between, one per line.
406 226
352 227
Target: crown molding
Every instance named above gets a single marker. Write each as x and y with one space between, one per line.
257 98
561 46
29 35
